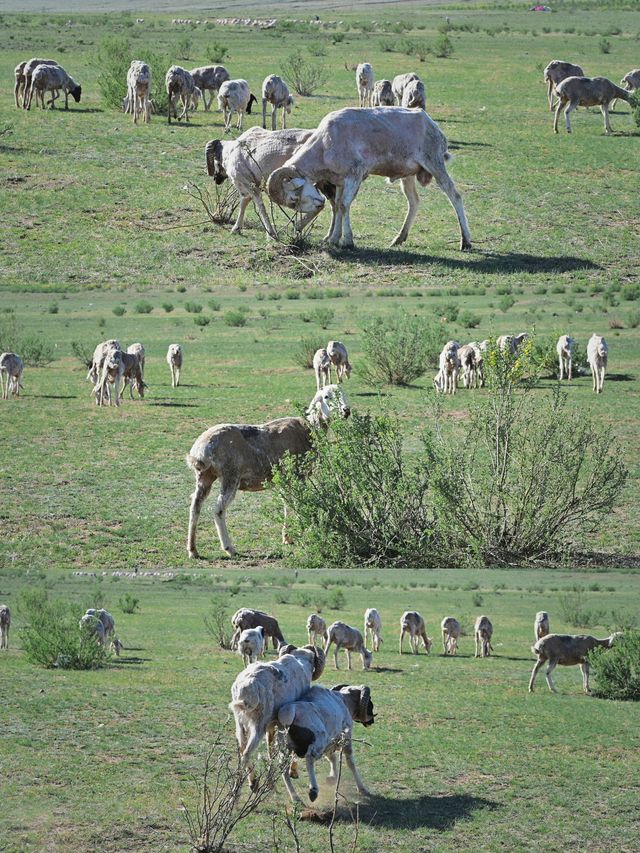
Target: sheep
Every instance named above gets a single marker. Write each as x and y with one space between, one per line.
541 625
19 88
339 358
364 83
235 96
242 456
105 618
11 369
174 360
90 624
113 369
251 644
597 356
483 631
316 627
373 626
322 368
400 81
451 631
246 619
567 650
320 724
412 623
179 84
351 640
260 690
209 78
587 92
382 94
351 144
469 356
138 90
276 92
27 73
99 354
510 343
248 161
136 350
631 81
132 373
5 624
557 71
564 348
52 78
414 95
446 379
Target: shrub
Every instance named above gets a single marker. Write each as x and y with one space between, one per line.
630 292
306 75
128 604
506 302
168 307
575 612
213 304
113 60
217 52
192 307
53 308
217 622
323 317
398 350
185 43
306 349
477 600
235 318
443 47
35 351
82 352
201 321
469 320
617 670
634 102
292 293
450 311
604 45
143 307
633 320
119 310
336 599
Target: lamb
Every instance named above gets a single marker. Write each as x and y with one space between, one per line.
557 71
113 368
446 379
235 96
320 723
138 90
180 85
276 92
132 373
631 81
400 81
248 161
587 92
373 626
242 456
11 369
382 94
414 95
451 631
470 358
483 631
541 625
339 358
174 360
52 78
209 78
564 348
351 144
597 356
351 640
251 644
322 368
136 350
412 623
567 650
261 689
19 88
246 619
365 83
316 627
27 73
5 624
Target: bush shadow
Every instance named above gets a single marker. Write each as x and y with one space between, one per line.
422 812
122 662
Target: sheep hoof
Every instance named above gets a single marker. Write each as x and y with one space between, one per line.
465 245
313 794
287 539
398 240
230 552
193 555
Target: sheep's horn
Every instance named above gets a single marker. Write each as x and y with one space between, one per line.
276 181
213 152
318 668
365 698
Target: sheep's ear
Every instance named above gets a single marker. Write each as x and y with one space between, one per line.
338 687
318 667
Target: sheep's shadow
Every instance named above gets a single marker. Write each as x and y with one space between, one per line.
121 662
422 812
385 669
456 143
619 377
54 396
172 405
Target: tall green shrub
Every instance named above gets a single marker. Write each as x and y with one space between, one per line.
399 350
617 670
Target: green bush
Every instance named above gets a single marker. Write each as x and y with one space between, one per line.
306 349
305 75
323 317
291 293
443 47
617 670
168 307
630 292
143 307
336 599
53 308
119 310
399 350
506 302
35 351
128 604
575 612
634 102
201 320
192 307
235 318
114 57
469 320
214 305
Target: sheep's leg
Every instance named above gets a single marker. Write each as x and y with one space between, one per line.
550 94
593 379
410 190
561 368
559 107
335 656
274 117
349 192
550 668
313 781
539 663
569 367
227 494
348 651
284 118
286 778
585 676
443 179
604 109
567 114
2 385
444 642
401 639
477 654
287 539
244 204
237 632
333 761
264 113
348 754
335 232
262 213
204 481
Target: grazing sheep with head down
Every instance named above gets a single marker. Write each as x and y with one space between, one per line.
316 627
451 631
276 92
598 357
136 350
209 78
19 88
339 358
382 94
11 369
557 71
27 74
365 81
235 96
564 348
414 95
541 625
412 623
631 81
483 631
5 624
587 92
351 640
53 78
566 650
470 358
139 90
242 457
322 368
251 645
180 86
400 82
246 618
373 627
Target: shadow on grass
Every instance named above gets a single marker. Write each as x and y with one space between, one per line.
456 143
54 396
386 669
422 812
620 377
172 405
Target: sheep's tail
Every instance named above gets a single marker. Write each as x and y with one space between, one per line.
197 465
249 701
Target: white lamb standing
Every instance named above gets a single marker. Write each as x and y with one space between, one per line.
251 645
597 356
365 82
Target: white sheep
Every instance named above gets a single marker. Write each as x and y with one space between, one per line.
11 369
247 618
564 348
242 457
557 71
251 645
234 96
53 78
446 379
138 351
567 650
451 631
541 625
105 618
132 373
631 81
179 85
138 90
598 357
400 81
27 73
373 627
469 357
92 626
412 623
322 368
365 81
414 95
276 92
209 78
5 624
316 627
111 373
382 94
339 358
510 343
19 87
587 92
97 361
174 360
483 631
351 640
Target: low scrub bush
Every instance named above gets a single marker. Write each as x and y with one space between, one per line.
119 310
617 670
306 349
218 620
323 317
201 321
143 307
83 352
574 610
306 75
192 307
235 318
128 604
34 350
399 350
469 320
217 52
168 307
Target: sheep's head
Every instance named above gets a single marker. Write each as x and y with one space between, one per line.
327 402
252 100
367 657
213 156
428 643
318 661
288 188
359 700
76 92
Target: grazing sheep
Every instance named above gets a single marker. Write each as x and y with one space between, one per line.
5 624
251 644
557 71
99 355
276 92
138 90
319 724
261 689
19 88
351 640
180 85
597 356
564 348
174 360
235 96
27 73
451 631
209 78
113 368
567 650
373 626
631 81
412 623
510 343
339 358
382 94
246 619
322 368
351 144
400 82
365 81
316 627
136 350
541 625
446 379
105 618
52 78
93 626
248 161
242 457
414 95
587 92
11 369
132 373
483 631
469 357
